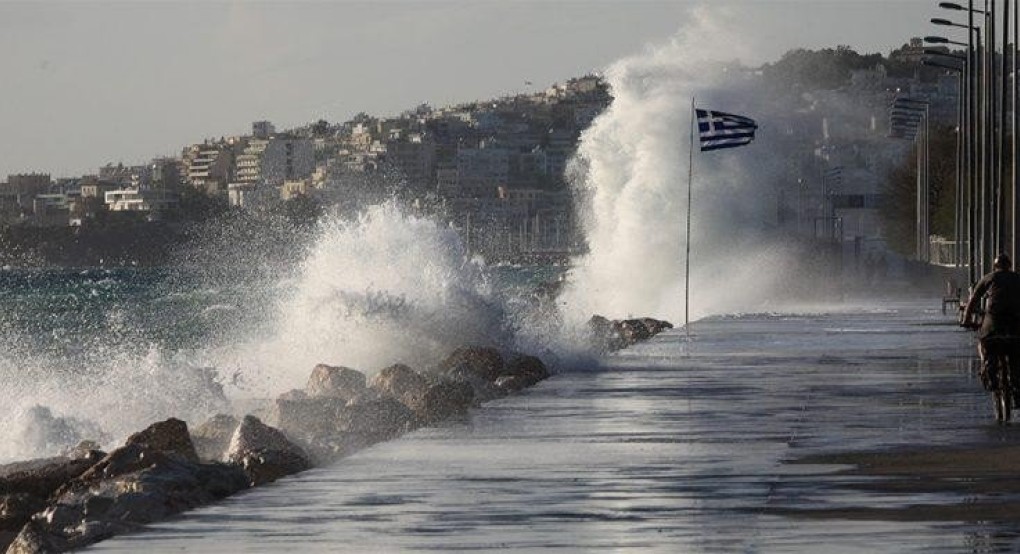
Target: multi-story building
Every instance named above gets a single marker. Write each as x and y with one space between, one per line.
50 210
479 172
252 196
262 129
165 174
415 158
561 146
21 189
209 166
153 201
27 184
275 160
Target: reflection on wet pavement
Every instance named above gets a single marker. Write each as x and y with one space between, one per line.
670 448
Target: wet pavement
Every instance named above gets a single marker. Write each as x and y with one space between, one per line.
672 447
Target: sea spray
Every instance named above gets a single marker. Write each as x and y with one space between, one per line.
630 176
386 287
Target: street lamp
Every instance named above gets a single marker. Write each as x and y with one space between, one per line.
934 52
958 7
977 131
943 40
914 112
959 219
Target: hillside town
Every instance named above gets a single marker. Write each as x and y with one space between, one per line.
496 170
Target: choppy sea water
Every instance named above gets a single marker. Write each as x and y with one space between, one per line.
99 353
669 447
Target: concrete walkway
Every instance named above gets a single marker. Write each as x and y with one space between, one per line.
671 447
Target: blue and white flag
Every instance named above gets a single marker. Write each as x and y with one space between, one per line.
723 130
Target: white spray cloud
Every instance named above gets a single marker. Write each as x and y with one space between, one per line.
631 172
387 287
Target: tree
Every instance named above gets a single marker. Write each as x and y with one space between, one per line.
824 69
198 205
899 211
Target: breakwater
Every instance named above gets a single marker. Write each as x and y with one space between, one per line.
86 495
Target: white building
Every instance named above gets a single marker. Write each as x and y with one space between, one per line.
275 160
252 196
140 200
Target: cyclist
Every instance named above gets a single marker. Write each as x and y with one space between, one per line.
1002 311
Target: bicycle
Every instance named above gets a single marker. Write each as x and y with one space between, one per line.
999 373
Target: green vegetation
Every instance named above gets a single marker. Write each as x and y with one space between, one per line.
899 212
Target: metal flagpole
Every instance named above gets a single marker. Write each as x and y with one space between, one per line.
687 259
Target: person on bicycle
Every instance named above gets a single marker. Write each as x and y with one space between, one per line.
1002 308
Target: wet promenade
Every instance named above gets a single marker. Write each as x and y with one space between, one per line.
668 448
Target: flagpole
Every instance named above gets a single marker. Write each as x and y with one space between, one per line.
687 258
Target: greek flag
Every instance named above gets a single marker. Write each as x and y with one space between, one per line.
723 130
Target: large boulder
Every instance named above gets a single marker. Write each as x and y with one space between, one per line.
633 331
335 382
522 371
444 399
170 436
401 382
656 326
25 486
132 486
212 438
307 417
483 362
264 453
376 419
605 334
41 477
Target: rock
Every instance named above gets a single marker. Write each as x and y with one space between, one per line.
86 449
308 417
633 331
522 371
613 335
401 382
264 453
656 326
444 399
31 541
605 334
41 477
294 394
170 436
15 511
376 420
132 486
484 362
212 438
335 382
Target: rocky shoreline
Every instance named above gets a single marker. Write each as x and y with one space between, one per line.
88 495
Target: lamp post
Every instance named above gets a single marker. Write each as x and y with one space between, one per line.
965 168
914 112
977 166
959 219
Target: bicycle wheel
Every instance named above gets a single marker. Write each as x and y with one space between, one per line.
1004 394
1003 406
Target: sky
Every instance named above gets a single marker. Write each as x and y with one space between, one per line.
84 83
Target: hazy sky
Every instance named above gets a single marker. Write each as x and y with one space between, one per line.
83 83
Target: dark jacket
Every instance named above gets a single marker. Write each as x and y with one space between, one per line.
1002 309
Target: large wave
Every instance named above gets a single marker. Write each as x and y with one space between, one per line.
631 176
